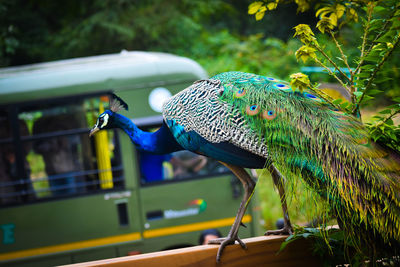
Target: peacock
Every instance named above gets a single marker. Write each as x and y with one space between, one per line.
246 120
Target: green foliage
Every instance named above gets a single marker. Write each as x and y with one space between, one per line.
331 247
8 42
40 30
383 128
324 242
299 81
250 54
43 30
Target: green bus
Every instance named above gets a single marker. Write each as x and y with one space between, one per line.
67 198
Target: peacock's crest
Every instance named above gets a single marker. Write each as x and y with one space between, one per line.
117 104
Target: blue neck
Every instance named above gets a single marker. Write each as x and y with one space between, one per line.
159 142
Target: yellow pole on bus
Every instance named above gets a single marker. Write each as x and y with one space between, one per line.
103 156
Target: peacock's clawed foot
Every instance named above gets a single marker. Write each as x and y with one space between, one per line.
283 231
223 242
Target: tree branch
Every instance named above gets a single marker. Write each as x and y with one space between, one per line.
391 116
372 76
341 53
324 96
365 54
331 73
334 65
364 40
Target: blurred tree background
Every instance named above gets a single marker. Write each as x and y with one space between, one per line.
219 34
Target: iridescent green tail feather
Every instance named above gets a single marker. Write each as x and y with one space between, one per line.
331 151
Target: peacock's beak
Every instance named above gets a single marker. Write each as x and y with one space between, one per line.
94 130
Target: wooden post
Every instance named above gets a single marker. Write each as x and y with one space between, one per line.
262 251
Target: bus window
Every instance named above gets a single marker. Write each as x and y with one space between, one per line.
10 171
175 166
58 156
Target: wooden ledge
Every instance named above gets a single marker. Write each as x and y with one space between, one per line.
262 251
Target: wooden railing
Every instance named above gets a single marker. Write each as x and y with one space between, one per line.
262 251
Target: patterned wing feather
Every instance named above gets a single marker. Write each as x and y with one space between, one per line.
200 109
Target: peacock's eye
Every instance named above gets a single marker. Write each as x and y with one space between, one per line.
269 114
310 95
252 110
240 92
313 97
103 120
281 86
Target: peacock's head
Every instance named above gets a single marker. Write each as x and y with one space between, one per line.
106 119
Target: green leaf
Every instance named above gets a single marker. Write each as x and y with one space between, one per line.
363 74
255 7
305 235
387 37
367 98
380 9
344 105
391 135
373 56
374 92
377 117
382 53
283 246
368 67
350 106
376 137
395 106
360 84
312 230
385 111
395 23
337 235
287 241
382 79
375 24
337 101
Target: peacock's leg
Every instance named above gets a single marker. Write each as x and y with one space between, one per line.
248 185
278 179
